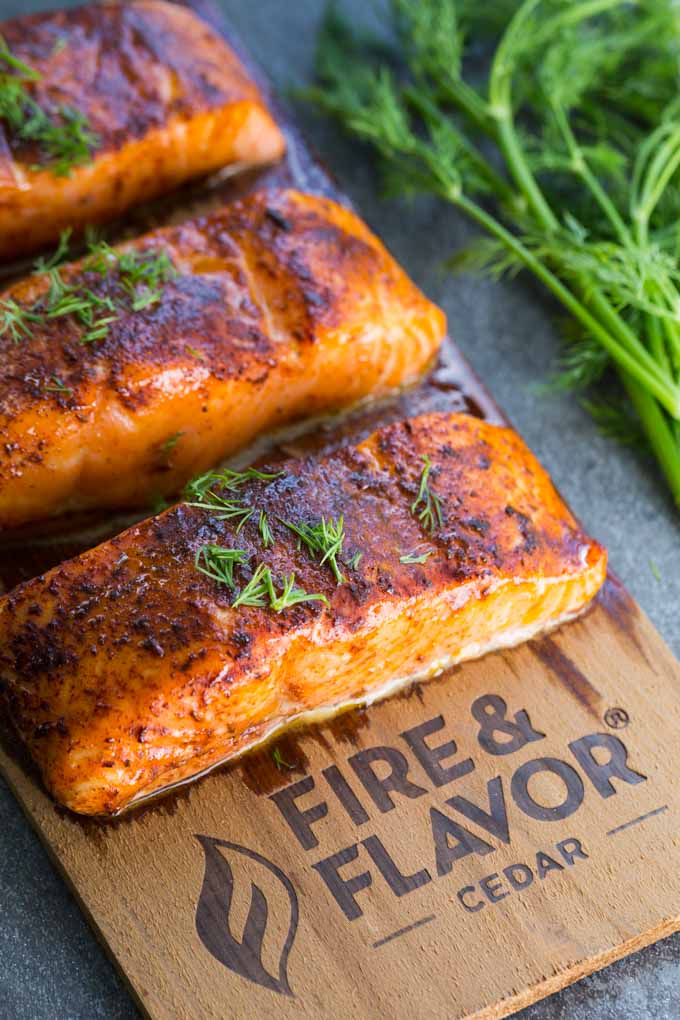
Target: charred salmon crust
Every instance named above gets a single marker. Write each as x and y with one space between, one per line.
284 306
127 669
165 97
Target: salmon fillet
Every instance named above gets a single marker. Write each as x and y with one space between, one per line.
164 96
284 305
129 668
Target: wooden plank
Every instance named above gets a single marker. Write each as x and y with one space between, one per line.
475 880
542 846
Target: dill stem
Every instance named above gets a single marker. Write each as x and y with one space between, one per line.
470 102
615 324
524 178
432 115
662 168
639 364
656 341
582 169
658 431
500 94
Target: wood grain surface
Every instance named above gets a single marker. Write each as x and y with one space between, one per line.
458 851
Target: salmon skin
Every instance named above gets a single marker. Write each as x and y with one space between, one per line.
284 305
128 669
164 97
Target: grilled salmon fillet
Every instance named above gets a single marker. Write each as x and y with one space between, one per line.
129 668
163 100
283 305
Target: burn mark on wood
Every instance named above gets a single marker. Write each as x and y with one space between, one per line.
567 672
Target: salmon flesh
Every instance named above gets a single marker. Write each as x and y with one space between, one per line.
163 98
279 307
129 669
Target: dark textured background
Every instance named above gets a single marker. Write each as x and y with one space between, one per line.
50 964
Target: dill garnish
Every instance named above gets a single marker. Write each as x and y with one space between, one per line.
16 321
227 479
254 593
261 589
166 448
427 505
228 508
265 531
290 594
416 557
217 562
354 561
195 353
324 539
225 509
57 386
137 279
61 252
64 299
65 139
141 273
566 154
280 761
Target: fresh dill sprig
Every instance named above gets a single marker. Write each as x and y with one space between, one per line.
166 448
427 506
265 531
81 303
67 142
290 594
65 137
227 479
16 320
280 761
142 274
203 492
416 557
55 385
261 590
566 155
354 561
615 420
137 279
254 593
225 509
219 563
60 254
324 539
195 353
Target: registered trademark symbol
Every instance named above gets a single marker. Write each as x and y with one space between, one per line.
616 718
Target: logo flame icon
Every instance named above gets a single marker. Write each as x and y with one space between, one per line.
244 956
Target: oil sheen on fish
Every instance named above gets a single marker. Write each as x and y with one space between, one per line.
128 669
163 95
283 306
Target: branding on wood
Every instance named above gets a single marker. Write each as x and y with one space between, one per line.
378 780
244 955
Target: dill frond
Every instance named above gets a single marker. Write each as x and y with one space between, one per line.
573 141
427 505
324 539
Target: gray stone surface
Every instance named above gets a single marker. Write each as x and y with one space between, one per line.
50 964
